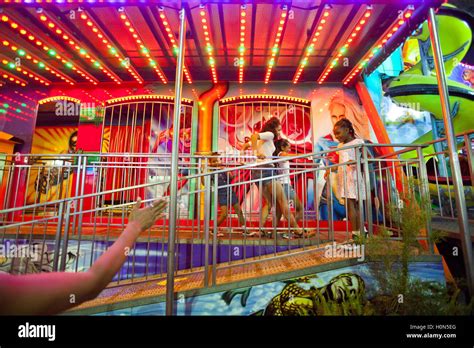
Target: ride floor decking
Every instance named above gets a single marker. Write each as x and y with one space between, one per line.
185 234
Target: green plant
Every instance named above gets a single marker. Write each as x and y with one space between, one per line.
389 260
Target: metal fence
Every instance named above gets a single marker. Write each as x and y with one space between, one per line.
63 211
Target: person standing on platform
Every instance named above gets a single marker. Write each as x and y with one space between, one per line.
225 195
282 146
349 187
263 146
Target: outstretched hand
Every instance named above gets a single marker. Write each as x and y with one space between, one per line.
146 217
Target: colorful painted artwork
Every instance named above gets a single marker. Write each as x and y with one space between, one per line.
52 178
237 122
303 296
145 127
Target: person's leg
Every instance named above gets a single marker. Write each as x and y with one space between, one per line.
353 213
298 208
278 214
239 213
267 193
283 203
222 214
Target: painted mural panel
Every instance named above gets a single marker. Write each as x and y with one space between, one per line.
237 122
324 293
144 127
52 178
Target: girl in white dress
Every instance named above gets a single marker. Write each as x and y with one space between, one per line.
350 187
282 149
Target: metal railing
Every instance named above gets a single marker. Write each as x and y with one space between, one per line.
68 209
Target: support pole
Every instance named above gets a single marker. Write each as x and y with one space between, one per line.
174 168
452 150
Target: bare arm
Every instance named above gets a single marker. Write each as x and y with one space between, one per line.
254 139
51 293
288 154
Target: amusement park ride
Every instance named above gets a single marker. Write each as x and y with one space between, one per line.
103 102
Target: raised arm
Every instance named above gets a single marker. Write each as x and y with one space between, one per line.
254 138
51 293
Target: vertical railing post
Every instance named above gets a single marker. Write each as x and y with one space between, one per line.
215 228
66 237
207 214
359 191
463 222
368 191
57 238
470 156
330 196
174 167
425 195
78 176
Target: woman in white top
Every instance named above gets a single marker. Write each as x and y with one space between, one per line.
263 146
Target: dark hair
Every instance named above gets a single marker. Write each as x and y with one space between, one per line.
279 144
345 123
271 125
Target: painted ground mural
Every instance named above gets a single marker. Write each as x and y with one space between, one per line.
299 296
